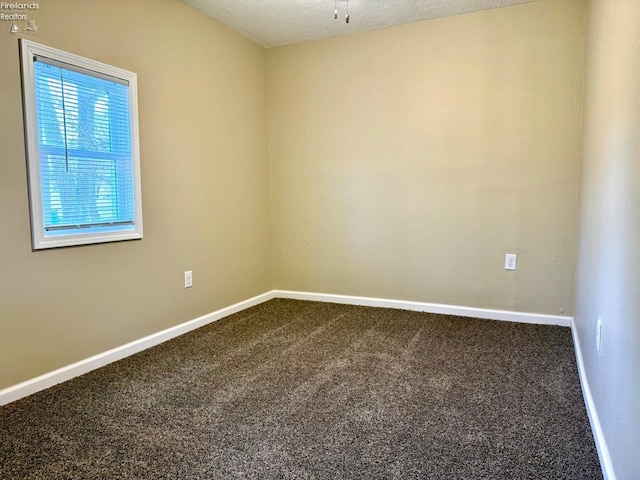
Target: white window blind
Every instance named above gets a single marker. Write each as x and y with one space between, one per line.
87 167
85 149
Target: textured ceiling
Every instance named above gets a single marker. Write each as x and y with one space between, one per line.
272 23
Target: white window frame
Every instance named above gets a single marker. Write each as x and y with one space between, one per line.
40 238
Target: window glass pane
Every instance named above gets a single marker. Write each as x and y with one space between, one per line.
85 149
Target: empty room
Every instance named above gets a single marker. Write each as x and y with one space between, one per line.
320 239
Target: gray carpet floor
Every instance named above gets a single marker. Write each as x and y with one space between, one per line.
305 390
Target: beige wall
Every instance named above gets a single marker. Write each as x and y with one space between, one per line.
406 162
608 277
203 132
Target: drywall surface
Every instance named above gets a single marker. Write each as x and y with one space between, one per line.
277 23
205 187
608 275
407 162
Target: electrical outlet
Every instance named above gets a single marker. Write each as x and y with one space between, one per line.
188 279
599 335
510 260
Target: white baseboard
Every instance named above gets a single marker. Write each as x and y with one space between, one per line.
596 427
485 313
76 369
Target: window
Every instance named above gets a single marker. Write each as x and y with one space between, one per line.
81 126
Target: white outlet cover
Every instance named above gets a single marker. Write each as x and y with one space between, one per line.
510 261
